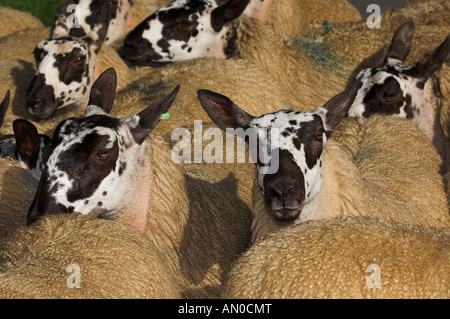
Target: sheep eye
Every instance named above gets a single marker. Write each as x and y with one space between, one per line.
319 136
80 60
103 154
388 96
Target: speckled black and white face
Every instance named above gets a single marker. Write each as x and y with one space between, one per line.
78 18
87 169
63 77
399 89
389 90
301 138
94 159
294 139
183 30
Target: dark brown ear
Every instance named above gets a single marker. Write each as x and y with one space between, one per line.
431 61
227 13
401 42
27 141
103 91
4 107
338 106
149 118
223 111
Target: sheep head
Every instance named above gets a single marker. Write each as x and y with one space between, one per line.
183 30
396 88
65 67
29 150
94 160
87 14
295 140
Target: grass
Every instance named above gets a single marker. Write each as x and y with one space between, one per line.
42 9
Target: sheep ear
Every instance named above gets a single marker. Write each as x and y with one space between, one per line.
143 123
401 42
431 61
63 14
223 111
27 141
103 91
333 111
4 107
227 12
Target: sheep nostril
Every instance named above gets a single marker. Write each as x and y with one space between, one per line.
282 193
38 103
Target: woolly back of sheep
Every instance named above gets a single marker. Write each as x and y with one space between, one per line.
17 189
293 17
380 167
43 260
9 18
248 84
197 220
336 258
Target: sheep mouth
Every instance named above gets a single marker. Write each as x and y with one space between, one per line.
286 215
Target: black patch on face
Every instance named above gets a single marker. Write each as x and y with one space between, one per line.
100 10
84 163
386 98
310 134
181 23
41 100
122 167
408 108
284 191
44 203
164 45
71 66
136 49
420 85
39 53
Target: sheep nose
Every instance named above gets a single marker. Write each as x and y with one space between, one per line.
38 103
281 191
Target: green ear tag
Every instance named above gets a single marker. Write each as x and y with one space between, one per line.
164 116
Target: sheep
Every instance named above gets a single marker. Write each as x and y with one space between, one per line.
182 20
64 69
311 65
407 91
31 158
197 74
9 18
13 178
75 256
346 257
79 19
17 68
361 171
296 18
247 39
181 215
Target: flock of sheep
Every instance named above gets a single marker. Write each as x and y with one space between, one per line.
374 222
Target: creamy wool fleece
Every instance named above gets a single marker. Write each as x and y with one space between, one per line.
380 167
